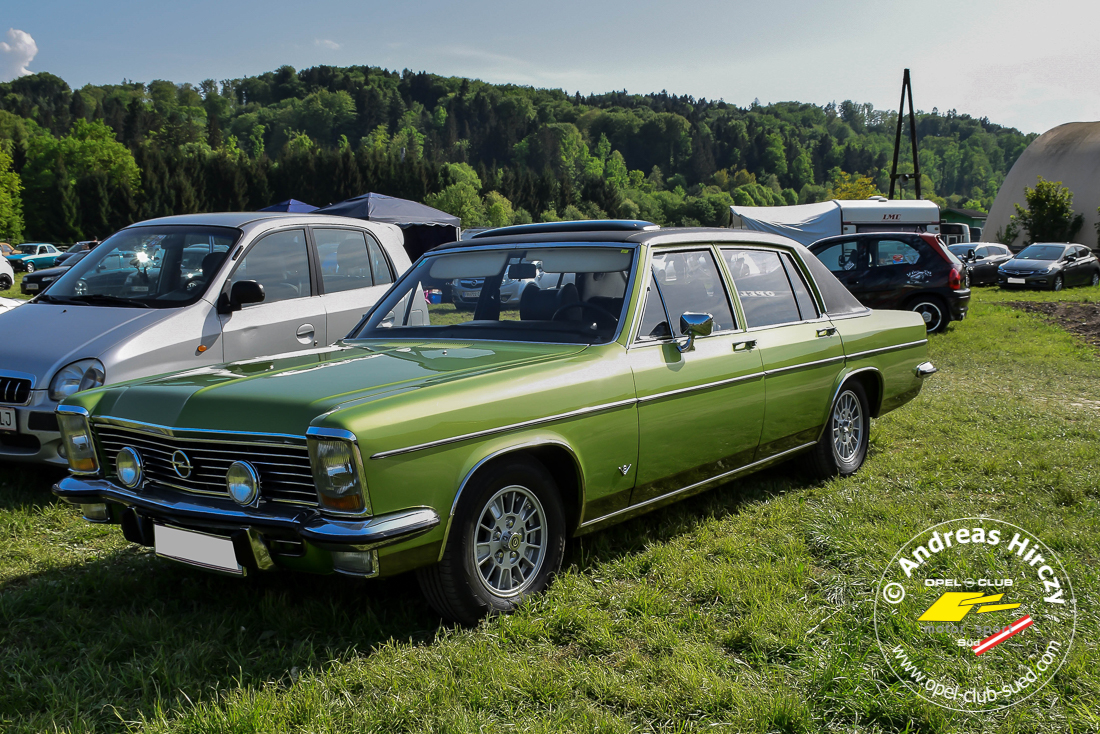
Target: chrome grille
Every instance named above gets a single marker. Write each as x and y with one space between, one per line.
284 470
14 390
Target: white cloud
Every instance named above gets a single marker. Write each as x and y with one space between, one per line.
16 55
325 43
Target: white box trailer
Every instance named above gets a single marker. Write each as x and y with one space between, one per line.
808 223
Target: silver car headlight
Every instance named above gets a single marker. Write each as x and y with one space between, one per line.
338 471
83 374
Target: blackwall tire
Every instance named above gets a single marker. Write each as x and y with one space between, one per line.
933 310
506 542
6 282
843 445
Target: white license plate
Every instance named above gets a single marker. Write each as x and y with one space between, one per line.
7 419
471 294
1017 281
197 549
32 286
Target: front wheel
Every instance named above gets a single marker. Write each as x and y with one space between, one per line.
5 282
1058 283
843 446
30 267
1095 279
507 540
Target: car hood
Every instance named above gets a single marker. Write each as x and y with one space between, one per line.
40 338
1015 264
47 272
284 395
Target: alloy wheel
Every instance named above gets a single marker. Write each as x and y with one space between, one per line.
1058 283
847 425
510 545
931 313
30 267
1095 280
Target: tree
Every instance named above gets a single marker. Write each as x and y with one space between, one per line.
498 210
11 203
462 200
846 186
1049 215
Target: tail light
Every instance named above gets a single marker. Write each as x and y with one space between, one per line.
954 279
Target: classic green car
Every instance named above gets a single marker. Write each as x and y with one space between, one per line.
470 445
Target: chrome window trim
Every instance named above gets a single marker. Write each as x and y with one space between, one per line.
510 449
504 429
696 485
883 350
158 430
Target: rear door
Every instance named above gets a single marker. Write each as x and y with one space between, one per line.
800 350
291 317
894 268
355 272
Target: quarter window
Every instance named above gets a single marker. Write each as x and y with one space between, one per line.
806 306
763 287
654 324
345 260
693 285
280 263
380 266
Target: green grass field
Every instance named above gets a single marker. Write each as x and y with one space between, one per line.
748 608
13 292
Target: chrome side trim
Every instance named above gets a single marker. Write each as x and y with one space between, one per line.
511 449
504 429
199 433
815 363
696 485
882 350
697 388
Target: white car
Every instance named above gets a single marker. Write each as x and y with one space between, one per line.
7 274
182 293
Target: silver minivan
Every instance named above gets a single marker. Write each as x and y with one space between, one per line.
184 292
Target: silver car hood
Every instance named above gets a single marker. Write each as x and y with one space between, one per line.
40 338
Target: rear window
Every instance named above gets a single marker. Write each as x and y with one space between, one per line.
838 299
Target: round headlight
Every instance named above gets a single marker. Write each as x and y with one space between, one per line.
243 482
128 467
83 374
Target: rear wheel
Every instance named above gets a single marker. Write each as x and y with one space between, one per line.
507 540
933 310
843 446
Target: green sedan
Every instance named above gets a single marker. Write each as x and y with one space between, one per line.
641 366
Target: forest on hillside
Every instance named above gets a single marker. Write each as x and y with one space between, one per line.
81 163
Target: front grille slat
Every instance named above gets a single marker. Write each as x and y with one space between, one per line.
14 390
284 469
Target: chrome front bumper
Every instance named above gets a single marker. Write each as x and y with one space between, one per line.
268 526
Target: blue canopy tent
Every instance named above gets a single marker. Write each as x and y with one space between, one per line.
290 205
424 227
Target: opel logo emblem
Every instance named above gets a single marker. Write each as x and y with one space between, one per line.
181 465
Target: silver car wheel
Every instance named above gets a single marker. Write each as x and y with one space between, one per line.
847 426
510 541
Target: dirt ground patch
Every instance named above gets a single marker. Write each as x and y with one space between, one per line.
1082 319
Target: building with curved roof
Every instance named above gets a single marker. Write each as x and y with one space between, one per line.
1069 153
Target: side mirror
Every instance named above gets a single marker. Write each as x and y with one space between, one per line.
693 325
971 255
242 292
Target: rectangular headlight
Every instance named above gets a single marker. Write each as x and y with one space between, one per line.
338 471
76 434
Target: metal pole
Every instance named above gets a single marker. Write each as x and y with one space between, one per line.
913 132
897 135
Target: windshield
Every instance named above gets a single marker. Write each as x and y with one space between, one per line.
152 267
1041 252
547 293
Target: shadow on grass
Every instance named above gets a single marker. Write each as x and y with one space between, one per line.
132 633
24 486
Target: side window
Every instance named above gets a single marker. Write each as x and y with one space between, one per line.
345 261
762 286
802 295
654 325
893 252
840 256
696 287
379 264
280 263
982 252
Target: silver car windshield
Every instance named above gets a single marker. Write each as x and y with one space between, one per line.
147 267
571 294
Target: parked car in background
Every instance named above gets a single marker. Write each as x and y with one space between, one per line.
33 256
981 260
899 270
182 293
7 304
470 452
75 249
36 282
1051 266
7 275
6 249
465 292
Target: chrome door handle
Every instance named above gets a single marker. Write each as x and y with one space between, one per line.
827 331
744 346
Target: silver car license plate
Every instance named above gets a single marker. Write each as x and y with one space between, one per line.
7 419
32 286
197 549
471 294
1017 281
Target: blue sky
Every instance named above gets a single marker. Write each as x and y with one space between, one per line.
1028 64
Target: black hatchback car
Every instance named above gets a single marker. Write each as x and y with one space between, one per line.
910 271
1050 265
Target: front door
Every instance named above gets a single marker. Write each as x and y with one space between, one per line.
355 273
290 318
801 353
699 412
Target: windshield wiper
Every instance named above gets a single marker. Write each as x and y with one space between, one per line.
47 298
109 300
